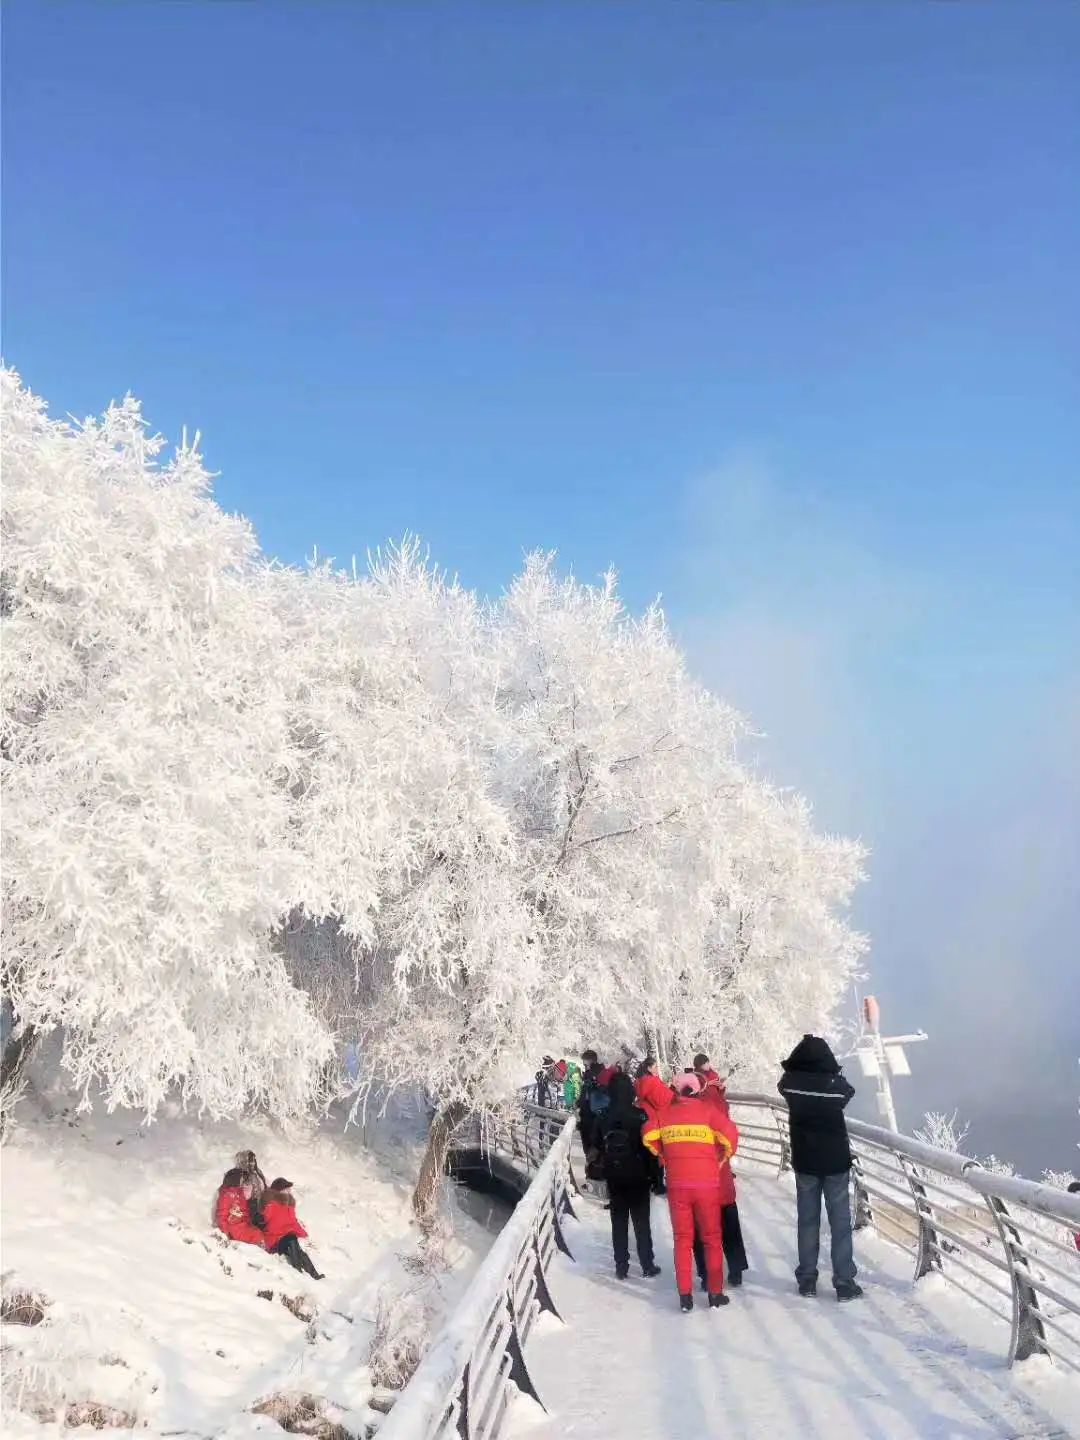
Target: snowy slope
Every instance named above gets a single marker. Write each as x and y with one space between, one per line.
772 1366
154 1314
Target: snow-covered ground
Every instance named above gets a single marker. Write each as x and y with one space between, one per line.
151 1313
896 1365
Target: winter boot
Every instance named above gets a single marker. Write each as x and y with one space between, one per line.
734 1277
686 1302
716 1299
808 1288
621 1272
650 1271
848 1290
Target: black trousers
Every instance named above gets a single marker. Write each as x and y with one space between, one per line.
297 1256
734 1249
631 1203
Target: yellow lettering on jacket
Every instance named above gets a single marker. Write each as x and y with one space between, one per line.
693 1134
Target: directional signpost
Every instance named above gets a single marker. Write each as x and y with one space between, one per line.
881 1057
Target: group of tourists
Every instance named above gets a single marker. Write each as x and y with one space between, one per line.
248 1209
558 1083
643 1135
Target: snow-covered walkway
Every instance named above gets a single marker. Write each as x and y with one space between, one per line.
772 1366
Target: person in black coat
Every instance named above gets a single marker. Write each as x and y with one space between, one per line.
625 1161
591 1071
816 1094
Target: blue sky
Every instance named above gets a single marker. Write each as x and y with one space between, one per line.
773 307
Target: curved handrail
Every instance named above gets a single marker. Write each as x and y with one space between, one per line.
898 1179
988 1234
464 1375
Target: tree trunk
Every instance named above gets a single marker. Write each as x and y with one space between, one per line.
17 1051
433 1164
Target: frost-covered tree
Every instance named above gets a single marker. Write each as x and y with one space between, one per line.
675 892
412 930
146 807
257 818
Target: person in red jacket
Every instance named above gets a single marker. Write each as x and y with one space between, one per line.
708 1076
283 1228
695 1142
652 1095
232 1212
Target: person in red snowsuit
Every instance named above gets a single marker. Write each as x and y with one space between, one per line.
695 1141
232 1212
283 1228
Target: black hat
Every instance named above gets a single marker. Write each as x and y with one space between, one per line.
280 1184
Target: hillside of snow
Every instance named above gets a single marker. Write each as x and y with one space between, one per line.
150 1314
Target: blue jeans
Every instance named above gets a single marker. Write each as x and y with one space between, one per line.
809 1190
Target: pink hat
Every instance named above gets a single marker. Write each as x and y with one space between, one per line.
688 1083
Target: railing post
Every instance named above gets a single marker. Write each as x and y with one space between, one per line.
462 1425
864 1214
927 1257
1028 1332
784 1140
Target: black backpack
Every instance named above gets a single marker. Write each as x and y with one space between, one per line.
623 1157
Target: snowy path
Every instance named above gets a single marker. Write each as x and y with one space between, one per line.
772 1366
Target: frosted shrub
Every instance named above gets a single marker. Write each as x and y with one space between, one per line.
402 1326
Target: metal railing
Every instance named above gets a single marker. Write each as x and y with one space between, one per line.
466 1380
547 1094
1006 1243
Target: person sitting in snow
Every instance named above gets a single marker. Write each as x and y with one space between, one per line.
253 1176
283 1228
232 1212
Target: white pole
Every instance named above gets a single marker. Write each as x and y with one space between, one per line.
888 1109
872 1019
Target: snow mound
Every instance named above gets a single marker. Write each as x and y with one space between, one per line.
154 1319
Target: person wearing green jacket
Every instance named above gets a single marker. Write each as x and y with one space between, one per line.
571 1085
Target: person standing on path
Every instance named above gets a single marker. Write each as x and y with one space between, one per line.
626 1170
730 1226
816 1094
589 1084
695 1141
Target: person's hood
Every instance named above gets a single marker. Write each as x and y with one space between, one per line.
812 1054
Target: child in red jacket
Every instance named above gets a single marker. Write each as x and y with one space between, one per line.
283 1228
232 1210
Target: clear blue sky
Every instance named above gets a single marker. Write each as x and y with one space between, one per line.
774 307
